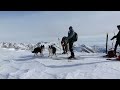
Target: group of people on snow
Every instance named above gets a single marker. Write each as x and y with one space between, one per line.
68 41
73 37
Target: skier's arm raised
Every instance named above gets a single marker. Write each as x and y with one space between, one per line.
114 37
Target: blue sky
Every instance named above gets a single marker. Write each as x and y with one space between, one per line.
39 25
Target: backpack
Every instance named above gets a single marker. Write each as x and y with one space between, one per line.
75 37
111 54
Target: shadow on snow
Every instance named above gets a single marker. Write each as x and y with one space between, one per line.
63 66
30 57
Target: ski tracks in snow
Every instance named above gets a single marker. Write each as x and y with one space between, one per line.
22 65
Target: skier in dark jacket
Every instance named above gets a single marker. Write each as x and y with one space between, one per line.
71 39
118 39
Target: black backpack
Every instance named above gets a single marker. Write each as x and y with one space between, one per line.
75 37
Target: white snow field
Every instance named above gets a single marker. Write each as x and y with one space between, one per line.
22 64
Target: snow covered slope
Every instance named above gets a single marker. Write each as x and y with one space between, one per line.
17 62
21 64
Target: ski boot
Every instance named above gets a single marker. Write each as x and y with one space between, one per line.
64 53
71 57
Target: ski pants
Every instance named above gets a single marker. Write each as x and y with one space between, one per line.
71 48
117 43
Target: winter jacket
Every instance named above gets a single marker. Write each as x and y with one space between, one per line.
71 35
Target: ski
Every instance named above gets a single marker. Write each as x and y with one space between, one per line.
112 59
66 58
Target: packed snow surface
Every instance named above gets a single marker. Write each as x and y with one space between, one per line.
20 63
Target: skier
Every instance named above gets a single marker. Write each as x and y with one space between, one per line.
64 45
72 37
118 39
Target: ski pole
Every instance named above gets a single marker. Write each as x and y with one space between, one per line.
106 43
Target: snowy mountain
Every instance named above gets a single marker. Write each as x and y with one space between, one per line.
23 46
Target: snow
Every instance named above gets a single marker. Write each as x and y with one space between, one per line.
22 64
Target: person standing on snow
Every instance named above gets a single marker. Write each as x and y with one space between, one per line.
118 39
72 37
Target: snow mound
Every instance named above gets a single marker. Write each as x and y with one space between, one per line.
29 70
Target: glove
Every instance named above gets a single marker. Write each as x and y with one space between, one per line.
112 38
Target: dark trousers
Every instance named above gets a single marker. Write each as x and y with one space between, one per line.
117 43
71 48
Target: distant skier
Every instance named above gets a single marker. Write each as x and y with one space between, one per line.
118 39
72 37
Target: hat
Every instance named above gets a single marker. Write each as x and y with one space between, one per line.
118 26
70 27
